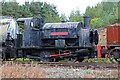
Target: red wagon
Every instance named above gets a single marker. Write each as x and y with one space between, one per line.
112 48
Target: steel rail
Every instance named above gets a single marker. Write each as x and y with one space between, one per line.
93 65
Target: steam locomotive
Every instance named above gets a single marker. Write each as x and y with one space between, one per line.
50 42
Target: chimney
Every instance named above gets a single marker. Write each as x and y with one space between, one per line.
86 22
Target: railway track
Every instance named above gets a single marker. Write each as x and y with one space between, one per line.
92 65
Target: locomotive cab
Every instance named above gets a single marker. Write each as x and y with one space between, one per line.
32 31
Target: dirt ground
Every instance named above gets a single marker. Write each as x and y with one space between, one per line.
21 72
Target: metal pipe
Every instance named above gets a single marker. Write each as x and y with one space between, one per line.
86 22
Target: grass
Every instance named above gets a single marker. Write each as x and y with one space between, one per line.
97 60
63 61
102 60
21 60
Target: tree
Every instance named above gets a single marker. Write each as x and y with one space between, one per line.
103 14
10 9
75 16
63 17
33 9
117 12
90 12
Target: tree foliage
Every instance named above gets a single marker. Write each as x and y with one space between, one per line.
75 16
33 9
104 13
63 17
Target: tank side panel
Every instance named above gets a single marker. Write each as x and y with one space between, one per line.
34 38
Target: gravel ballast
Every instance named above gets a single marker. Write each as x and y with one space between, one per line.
44 71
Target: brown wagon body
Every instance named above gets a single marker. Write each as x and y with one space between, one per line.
112 48
113 35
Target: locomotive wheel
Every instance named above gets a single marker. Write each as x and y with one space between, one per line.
0 55
96 37
9 54
114 55
71 59
3 56
74 59
14 54
80 60
44 56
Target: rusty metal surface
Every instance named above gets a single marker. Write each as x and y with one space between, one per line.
113 35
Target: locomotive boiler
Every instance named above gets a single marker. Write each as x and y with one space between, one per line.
73 41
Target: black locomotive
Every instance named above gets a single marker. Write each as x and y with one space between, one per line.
73 41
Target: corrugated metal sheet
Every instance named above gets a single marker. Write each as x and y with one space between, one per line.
23 19
4 23
6 17
113 34
3 32
8 25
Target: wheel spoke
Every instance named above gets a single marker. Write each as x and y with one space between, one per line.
44 56
114 55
